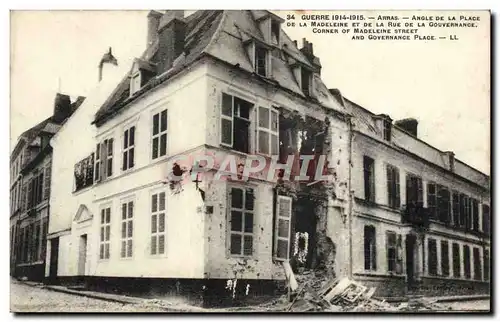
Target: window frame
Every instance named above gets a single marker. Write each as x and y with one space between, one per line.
467 262
445 260
127 249
250 120
369 195
158 111
243 211
393 186
371 248
104 237
158 234
135 75
269 130
277 238
432 257
457 260
127 147
432 204
260 47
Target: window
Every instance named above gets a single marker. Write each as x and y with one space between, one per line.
104 160
463 215
486 219
48 172
414 190
392 257
456 260
369 172
235 123
128 148
432 259
475 214
305 81
443 204
241 221
275 32
159 142
36 241
445 258
35 190
268 131
84 173
135 83
127 229
370 249
104 242
393 187
387 124
486 264
467 262
261 60
456 209
431 200
45 227
477 264
158 223
283 228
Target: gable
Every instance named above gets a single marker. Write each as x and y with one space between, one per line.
82 214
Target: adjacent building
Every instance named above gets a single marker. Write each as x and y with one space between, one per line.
394 211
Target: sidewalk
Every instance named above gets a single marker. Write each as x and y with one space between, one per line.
438 299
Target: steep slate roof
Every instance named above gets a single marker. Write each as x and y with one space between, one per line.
221 34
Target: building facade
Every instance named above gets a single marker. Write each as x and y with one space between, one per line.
217 86
31 169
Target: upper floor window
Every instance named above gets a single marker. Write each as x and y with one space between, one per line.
103 167
414 190
486 219
268 131
431 200
443 204
159 139
35 190
475 214
369 178
306 80
128 148
241 219
275 32
393 187
261 56
456 208
235 123
84 172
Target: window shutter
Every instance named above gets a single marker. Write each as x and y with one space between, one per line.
283 225
46 191
97 166
30 194
397 187
23 197
390 187
227 112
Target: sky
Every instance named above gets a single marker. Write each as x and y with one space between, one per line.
443 84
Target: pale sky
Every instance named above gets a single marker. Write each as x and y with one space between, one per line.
444 84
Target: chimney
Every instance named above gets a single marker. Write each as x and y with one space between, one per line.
62 108
307 50
108 59
451 160
410 125
153 24
171 36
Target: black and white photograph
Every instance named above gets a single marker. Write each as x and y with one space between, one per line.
250 161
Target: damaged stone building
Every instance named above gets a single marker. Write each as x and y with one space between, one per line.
232 83
31 169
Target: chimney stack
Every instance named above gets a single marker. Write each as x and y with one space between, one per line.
451 160
307 50
109 59
171 36
62 108
153 24
410 125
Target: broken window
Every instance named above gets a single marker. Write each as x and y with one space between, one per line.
414 190
369 175
84 172
241 221
128 148
456 260
370 248
287 138
391 246
432 253
235 123
275 32
283 228
445 260
467 262
477 264
306 81
443 204
486 264
159 139
431 200
127 229
486 219
393 187
158 223
261 60
104 241
268 131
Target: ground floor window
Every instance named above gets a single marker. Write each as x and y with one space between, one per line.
467 261
432 256
105 235
370 248
445 260
456 260
241 218
486 264
477 264
158 223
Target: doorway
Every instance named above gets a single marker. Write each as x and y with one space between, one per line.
54 254
82 255
411 241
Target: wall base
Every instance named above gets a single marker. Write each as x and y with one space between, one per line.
35 272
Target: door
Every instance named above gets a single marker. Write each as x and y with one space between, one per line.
410 259
82 255
54 254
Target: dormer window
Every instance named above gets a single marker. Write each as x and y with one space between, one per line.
275 32
135 83
261 60
387 127
306 81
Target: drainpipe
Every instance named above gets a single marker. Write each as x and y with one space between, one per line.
350 196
